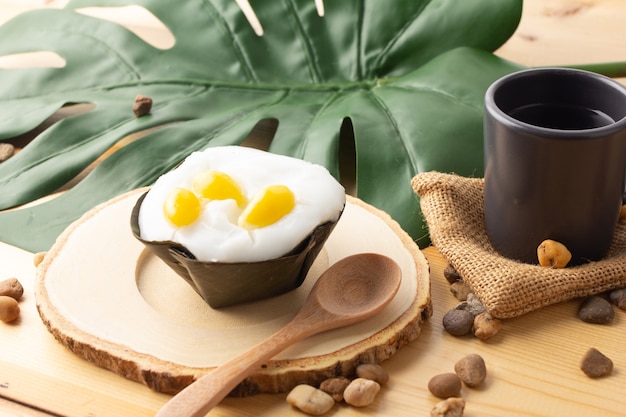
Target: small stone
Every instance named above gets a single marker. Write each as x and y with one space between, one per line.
458 322
38 258
451 274
373 372
486 326
6 151
618 297
471 369
142 105
460 290
597 310
450 407
361 392
445 385
335 387
595 364
310 400
622 213
472 304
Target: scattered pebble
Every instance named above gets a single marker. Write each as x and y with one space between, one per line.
472 304
6 151
373 372
142 105
361 392
471 369
310 400
445 385
451 274
485 326
553 254
618 297
458 322
595 364
622 213
450 407
11 288
335 387
460 290
38 258
597 310
9 309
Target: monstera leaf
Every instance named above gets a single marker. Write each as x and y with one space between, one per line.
402 80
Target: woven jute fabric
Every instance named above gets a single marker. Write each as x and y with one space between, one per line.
452 206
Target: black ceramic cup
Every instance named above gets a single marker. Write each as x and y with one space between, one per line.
555 160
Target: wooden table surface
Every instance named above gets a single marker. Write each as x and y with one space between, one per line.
533 363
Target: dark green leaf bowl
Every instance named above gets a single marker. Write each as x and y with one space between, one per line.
222 284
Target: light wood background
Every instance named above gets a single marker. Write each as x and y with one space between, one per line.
532 364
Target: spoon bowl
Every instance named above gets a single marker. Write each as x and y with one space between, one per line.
351 290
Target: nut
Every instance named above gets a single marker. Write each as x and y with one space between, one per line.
553 254
310 400
471 370
142 105
9 309
451 407
445 385
595 364
485 326
373 372
11 288
361 392
458 322
335 387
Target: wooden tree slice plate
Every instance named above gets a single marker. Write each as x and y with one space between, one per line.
110 301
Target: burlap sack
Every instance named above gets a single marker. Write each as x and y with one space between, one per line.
453 208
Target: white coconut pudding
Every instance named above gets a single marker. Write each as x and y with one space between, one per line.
237 204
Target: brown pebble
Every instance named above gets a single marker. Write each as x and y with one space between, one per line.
595 364
451 274
618 297
622 213
471 369
372 372
445 385
472 304
142 105
458 322
450 407
6 151
11 288
486 326
335 387
597 310
9 309
460 290
361 392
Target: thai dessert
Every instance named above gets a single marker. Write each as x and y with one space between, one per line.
229 207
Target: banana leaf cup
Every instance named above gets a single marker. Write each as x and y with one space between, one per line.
222 284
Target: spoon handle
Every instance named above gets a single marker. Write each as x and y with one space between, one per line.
198 398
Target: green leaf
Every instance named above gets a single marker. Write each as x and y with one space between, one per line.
408 79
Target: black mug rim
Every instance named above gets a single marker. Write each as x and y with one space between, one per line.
503 117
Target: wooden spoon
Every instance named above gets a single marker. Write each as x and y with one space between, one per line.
351 290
